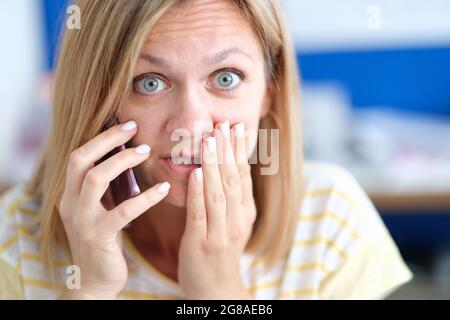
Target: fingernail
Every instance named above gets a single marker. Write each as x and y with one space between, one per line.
239 130
143 149
163 187
128 126
225 129
198 174
211 144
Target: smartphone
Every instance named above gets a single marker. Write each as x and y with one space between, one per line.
125 186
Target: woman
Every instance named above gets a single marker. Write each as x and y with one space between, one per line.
223 229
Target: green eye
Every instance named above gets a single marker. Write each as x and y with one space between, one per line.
227 80
148 85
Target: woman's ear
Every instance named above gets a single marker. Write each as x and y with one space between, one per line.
267 100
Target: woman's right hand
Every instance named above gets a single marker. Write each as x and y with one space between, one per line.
92 230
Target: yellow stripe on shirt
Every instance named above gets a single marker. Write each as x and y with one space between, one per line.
299 293
145 295
12 208
9 243
334 216
21 232
37 258
27 211
290 268
329 243
38 283
41 284
267 285
306 243
332 191
24 232
308 267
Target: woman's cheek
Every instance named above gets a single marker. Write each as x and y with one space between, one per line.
148 127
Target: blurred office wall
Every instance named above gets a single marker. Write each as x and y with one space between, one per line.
376 99
382 69
21 63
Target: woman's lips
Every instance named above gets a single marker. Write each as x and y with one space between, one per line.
180 169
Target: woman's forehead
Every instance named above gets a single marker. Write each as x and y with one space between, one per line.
207 22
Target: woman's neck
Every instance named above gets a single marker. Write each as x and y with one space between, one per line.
159 230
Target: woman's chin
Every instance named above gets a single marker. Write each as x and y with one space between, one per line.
178 184
177 194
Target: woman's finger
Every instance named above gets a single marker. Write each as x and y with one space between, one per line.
214 196
98 178
242 164
195 206
231 183
83 159
115 220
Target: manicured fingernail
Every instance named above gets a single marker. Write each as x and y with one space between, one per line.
143 149
198 174
239 130
211 144
163 187
128 126
225 129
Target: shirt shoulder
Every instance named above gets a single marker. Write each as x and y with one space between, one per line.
10 282
332 193
20 245
10 225
11 286
342 249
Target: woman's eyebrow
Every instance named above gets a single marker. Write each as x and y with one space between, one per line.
215 59
154 60
223 54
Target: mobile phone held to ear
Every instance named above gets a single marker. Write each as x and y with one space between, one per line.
125 185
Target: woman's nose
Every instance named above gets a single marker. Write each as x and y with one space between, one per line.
191 113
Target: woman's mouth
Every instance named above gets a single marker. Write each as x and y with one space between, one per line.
184 168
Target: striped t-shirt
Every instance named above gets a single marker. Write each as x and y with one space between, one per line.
341 250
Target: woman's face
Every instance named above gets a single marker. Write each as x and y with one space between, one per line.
201 64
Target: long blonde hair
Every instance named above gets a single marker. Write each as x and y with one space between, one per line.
93 76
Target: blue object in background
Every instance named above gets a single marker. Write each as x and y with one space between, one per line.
420 236
54 13
416 79
430 229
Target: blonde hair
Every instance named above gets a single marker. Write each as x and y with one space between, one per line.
93 76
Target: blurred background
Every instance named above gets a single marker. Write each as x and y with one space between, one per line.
376 100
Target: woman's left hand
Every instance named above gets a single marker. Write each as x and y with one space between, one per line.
220 215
